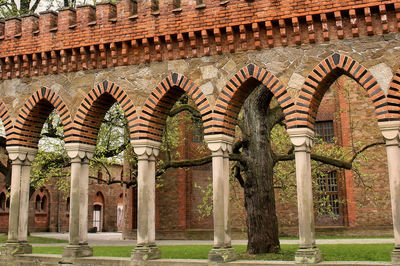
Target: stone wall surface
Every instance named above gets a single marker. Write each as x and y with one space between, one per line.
291 65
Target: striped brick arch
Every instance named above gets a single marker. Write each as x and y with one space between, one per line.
93 108
237 89
393 96
33 115
5 118
320 79
158 105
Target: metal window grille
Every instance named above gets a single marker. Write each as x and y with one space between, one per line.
328 186
324 130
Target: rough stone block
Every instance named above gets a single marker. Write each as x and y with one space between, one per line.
222 255
11 249
308 256
396 256
76 251
145 253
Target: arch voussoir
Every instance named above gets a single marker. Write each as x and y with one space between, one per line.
156 109
92 109
34 113
232 97
322 76
393 96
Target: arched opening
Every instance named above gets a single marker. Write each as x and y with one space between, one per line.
41 208
120 212
41 123
345 103
174 115
37 203
43 204
98 209
97 217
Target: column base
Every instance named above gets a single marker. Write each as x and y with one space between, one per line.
222 254
76 251
308 256
396 256
15 248
146 253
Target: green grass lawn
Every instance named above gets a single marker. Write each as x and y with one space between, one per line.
36 240
348 252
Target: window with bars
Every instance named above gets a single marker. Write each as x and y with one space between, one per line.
197 130
329 194
324 130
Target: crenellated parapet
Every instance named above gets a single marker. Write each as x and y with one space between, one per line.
133 32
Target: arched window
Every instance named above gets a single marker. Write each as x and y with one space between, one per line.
98 205
43 205
120 211
38 203
3 201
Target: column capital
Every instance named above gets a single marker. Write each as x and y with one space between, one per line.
390 131
21 153
302 138
146 147
219 143
80 150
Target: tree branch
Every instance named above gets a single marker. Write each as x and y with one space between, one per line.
364 149
318 158
113 152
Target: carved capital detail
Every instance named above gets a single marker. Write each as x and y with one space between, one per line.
80 151
219 144
390 131
24 154
302 138
146 149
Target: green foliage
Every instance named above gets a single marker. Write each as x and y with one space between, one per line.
206 207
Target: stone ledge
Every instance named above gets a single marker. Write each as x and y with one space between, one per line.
34 259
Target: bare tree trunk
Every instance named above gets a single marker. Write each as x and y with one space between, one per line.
262 222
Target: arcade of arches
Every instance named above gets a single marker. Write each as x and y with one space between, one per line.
216 73
147 116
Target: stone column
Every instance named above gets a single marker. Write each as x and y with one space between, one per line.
390 131
147 151
84 201
24 201
21 158
80 155
302 139
221 146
